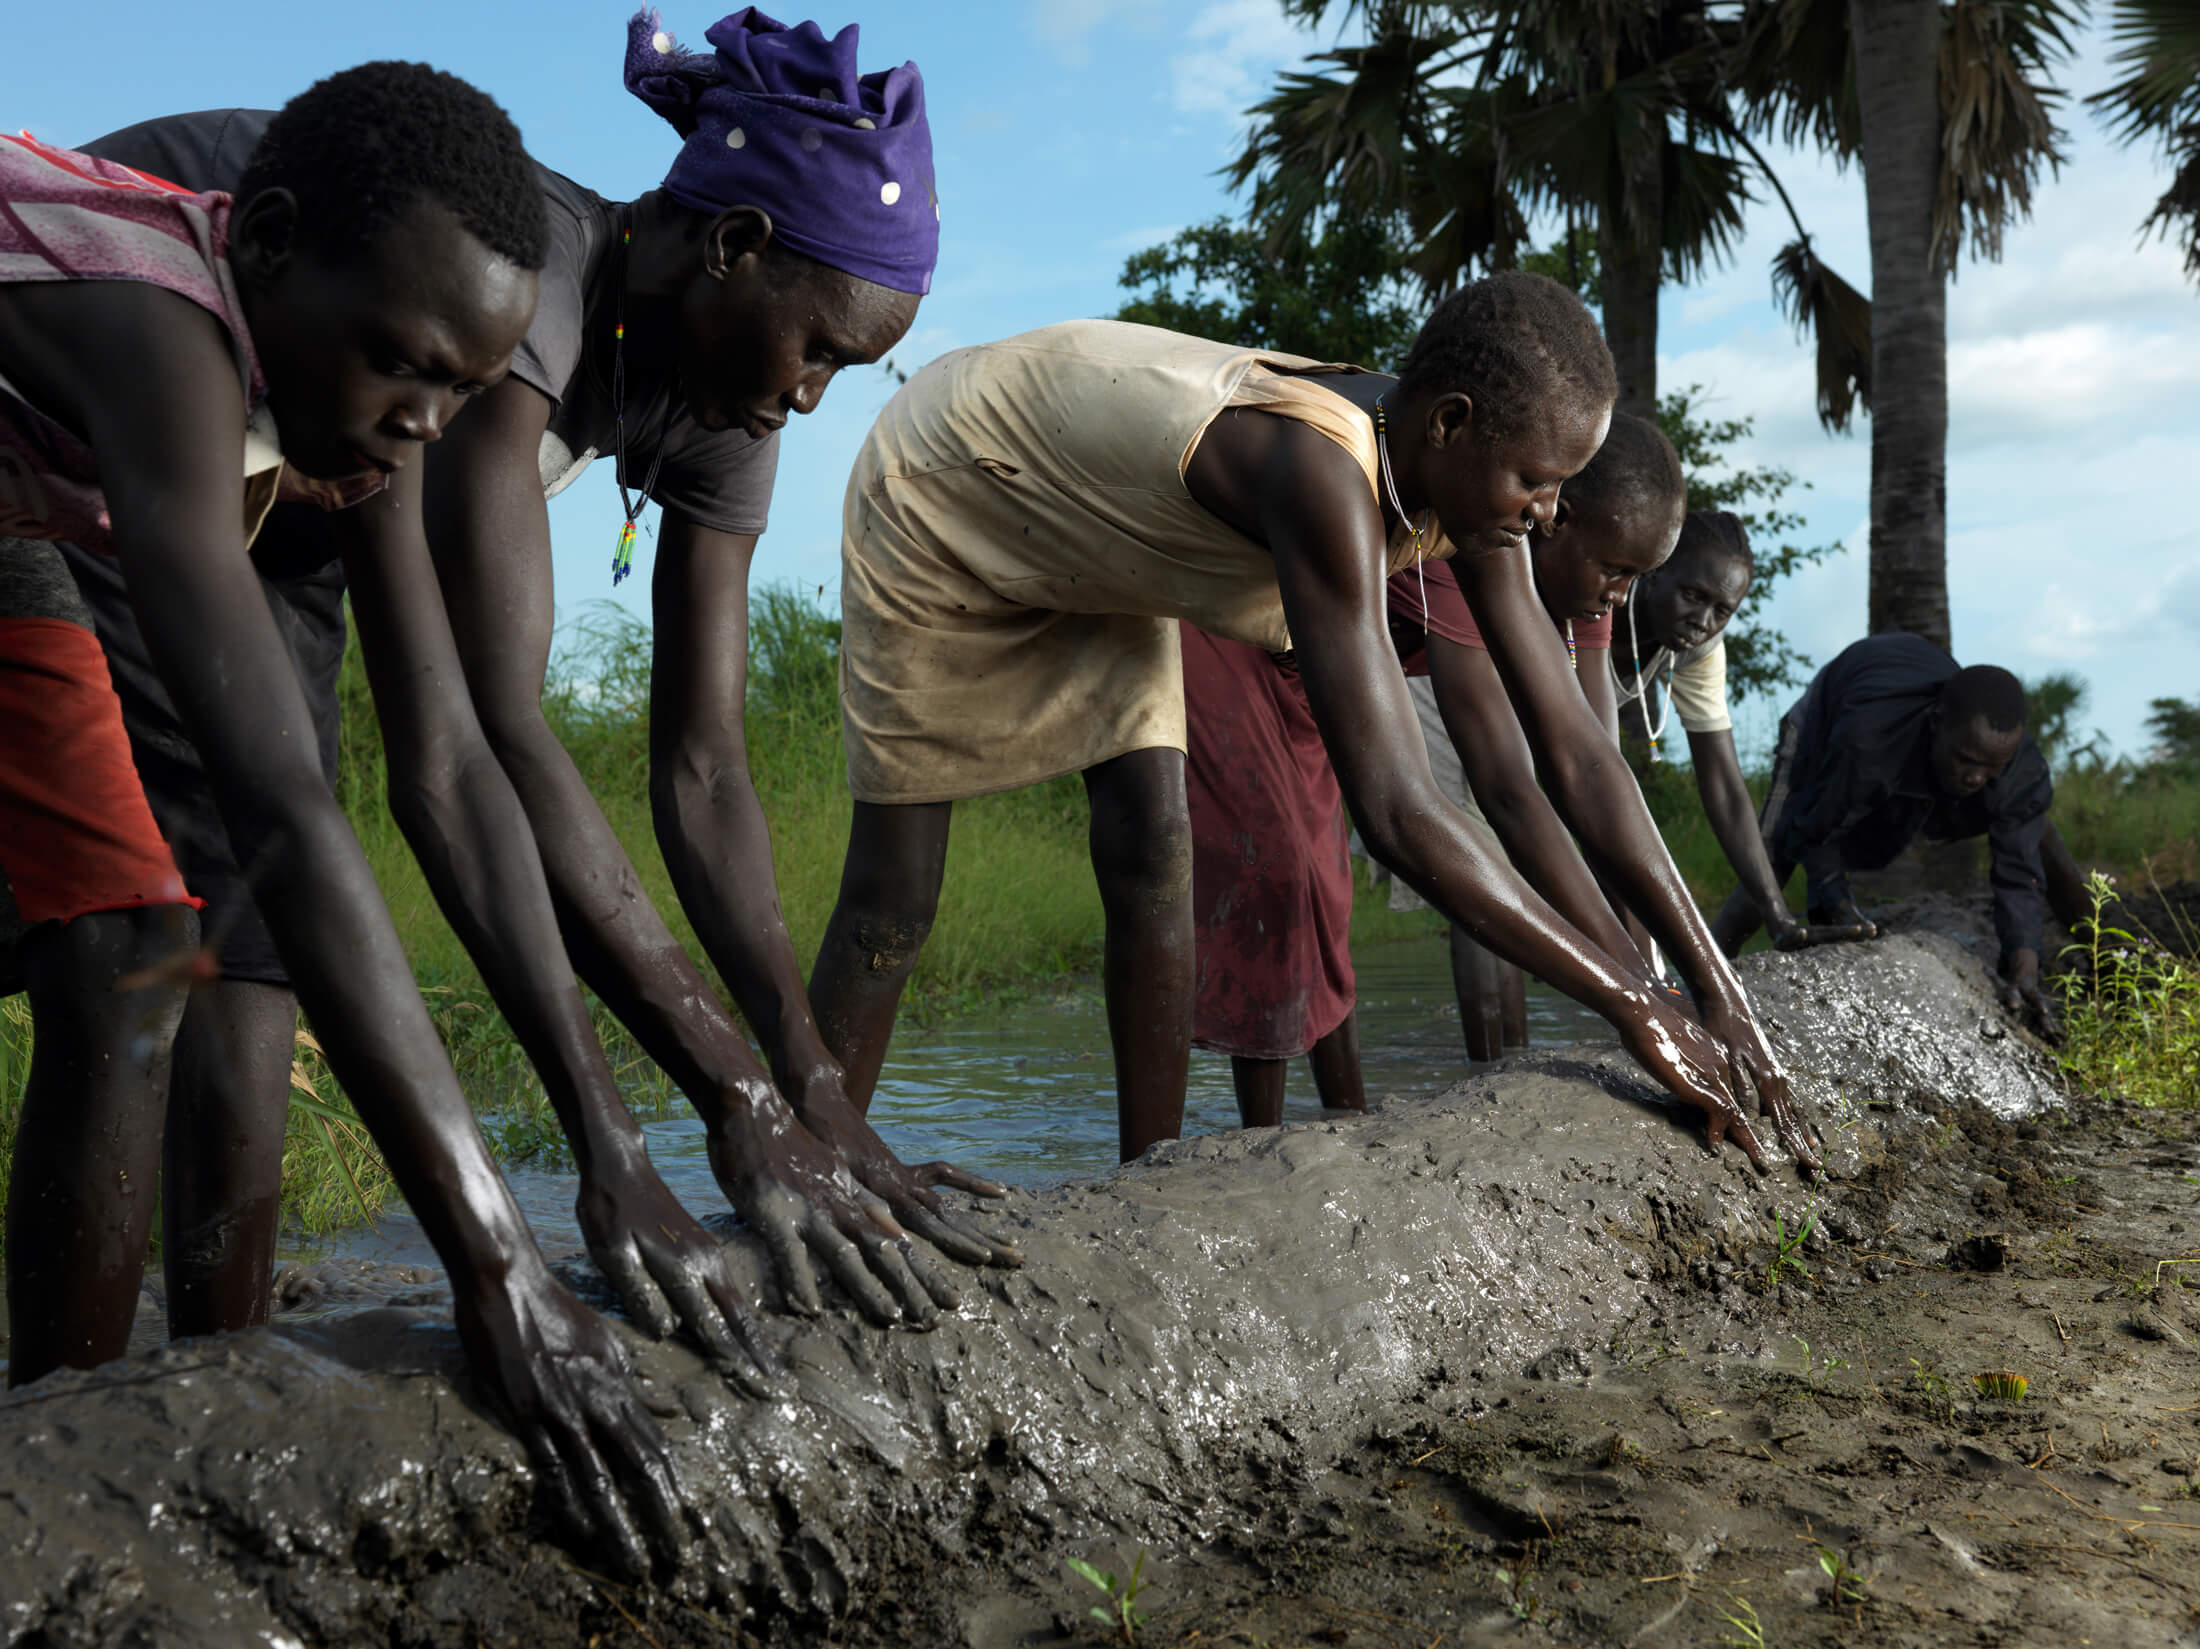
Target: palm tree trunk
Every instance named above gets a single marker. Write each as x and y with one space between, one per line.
1629 263
1897 50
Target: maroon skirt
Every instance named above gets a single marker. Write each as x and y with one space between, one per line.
1271 883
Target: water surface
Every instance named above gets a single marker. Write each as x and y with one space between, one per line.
1026 1093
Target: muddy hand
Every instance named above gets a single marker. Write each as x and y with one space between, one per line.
795 1192
1693 1068
562 1379
1843 920
1795 936
2021 994
1752 1066
670 1274
904 1188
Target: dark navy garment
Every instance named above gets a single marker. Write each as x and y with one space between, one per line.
1861 786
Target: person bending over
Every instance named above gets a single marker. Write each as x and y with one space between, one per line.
675 335
1614 522
169 359
1028 517
1675 625
1893 742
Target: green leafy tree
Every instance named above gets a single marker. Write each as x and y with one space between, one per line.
1759 659
2051 707
1341 295
2175 724
2158 48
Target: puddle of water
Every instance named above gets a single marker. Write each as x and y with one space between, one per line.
1027 1095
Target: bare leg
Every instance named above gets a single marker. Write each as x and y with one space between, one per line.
1142 855
222 1174
1336 1063
889 893
87 1151
1493 998
1259 1085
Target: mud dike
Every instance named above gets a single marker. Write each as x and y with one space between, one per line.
1243 1346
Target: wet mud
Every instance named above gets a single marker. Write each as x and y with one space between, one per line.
1517 1361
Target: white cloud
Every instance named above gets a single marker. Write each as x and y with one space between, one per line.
1236 47
1067 26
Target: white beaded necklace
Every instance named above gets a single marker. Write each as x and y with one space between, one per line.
1390 491
1642 689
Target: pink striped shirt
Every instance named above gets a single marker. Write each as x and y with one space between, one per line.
66 216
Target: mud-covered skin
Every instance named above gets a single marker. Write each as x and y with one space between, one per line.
1229 1312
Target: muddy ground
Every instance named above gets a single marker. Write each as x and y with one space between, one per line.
1790 1463
1521 1362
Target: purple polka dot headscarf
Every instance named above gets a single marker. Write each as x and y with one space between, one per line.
778 118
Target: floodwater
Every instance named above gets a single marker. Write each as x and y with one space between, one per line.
1027 1094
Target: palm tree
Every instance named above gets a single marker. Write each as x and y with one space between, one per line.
1459 118
1945 103
2158 42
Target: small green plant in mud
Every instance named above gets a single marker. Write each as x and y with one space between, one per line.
1787 1252
1122 1614
1848 1584
1747 1631
1935 1387
1520 1594
1812 1367
2131 1013
2004 1385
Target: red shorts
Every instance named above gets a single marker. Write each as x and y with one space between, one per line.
76 835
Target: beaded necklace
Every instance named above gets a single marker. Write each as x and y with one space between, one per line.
1642 689
1390 491
622 558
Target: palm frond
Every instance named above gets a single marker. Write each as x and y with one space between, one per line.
1704 197
1796 76
2180 202
2158 42
1826 308
1997 122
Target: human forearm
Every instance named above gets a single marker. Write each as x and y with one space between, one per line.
470 836
717 846
321 905
614 937
1733 816
1543 850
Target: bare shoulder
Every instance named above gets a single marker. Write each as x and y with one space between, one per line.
1266 474
114 360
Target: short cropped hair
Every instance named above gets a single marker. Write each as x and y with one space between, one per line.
1988 692
1513 342
359 148
1716 532
1636 473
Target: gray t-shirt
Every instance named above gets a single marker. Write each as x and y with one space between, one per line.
722 481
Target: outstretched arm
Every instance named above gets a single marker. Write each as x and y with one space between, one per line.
1599 797
711 830
1733 815
1501 769
171 445
1307 500
489 532
469 833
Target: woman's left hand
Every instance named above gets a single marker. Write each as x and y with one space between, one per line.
1750 1057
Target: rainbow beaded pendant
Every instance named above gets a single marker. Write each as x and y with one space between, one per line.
622 558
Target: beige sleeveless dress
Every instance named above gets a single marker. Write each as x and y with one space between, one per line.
1017 545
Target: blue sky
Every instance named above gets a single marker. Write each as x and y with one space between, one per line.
1072 132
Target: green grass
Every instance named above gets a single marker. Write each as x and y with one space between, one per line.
1018 912
2131 1014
